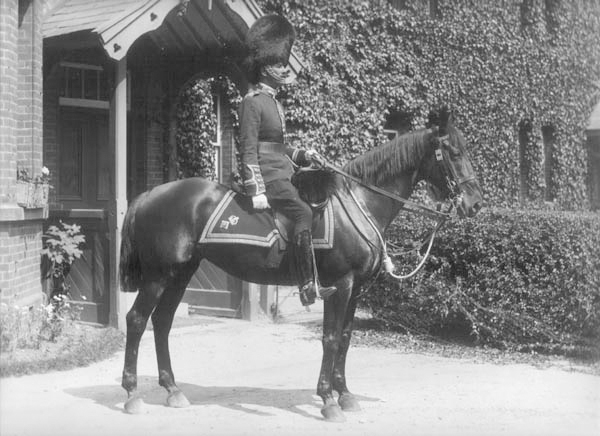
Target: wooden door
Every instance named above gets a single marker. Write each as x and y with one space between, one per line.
83 192
211 291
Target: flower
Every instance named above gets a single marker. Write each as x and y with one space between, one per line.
42 178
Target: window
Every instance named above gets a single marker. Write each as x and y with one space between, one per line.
593 178
397 123
217 138
391 134
84 85
548 137
525 141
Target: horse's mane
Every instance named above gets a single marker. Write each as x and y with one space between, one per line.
378 166
382 164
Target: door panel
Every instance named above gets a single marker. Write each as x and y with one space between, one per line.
83 192
84 161
211 291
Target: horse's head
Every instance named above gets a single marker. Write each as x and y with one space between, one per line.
449 172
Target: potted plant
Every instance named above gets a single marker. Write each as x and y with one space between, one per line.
32 192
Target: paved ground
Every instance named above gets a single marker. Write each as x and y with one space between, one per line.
259 379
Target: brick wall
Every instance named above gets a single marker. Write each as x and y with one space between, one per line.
20 146
20 280
155 138
29 88
9 36
154 153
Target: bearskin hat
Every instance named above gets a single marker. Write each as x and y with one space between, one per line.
269 41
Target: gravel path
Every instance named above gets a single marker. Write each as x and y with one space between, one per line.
259 379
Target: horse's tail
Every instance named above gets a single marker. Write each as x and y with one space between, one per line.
130 271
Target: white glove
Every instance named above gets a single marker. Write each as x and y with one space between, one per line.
310 154
260 202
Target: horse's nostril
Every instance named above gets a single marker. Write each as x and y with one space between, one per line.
477 207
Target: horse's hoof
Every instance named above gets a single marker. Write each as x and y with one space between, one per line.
134 406
333 413
177 399
348 403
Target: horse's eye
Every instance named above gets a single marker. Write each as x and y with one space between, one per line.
454 151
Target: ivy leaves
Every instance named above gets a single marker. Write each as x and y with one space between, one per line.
196 127
367 59
197 124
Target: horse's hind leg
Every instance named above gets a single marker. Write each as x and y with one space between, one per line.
346 400
137 317
162 320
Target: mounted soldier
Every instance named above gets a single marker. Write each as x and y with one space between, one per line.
267 162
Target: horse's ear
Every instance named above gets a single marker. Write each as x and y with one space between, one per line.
445 120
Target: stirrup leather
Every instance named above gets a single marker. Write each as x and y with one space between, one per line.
307 271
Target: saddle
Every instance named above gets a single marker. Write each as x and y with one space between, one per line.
234 221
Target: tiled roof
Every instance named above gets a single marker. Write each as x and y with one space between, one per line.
77 15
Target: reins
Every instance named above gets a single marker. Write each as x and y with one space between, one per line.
387 262
413 207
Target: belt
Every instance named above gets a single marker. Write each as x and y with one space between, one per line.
271 147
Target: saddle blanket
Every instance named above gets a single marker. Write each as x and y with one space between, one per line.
235 222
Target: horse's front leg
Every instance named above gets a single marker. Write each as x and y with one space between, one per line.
346 399
333 317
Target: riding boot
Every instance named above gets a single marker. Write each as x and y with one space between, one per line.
306 271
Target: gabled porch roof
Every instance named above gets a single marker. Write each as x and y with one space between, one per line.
180 27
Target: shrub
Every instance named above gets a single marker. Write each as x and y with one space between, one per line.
529 279
62 246
28 327
20 327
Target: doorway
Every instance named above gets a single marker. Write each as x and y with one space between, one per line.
83 193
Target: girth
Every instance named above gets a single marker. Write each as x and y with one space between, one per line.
271 147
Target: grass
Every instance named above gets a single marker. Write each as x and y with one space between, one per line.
77 345
371 333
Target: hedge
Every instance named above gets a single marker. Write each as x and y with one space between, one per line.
508 278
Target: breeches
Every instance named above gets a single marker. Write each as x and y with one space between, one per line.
284 198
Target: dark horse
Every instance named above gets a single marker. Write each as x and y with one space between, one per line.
159 250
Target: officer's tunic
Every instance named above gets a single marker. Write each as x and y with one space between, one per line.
267 163
264 156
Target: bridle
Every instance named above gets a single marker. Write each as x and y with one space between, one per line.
453 180
453 183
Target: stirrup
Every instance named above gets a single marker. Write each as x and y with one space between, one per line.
307 294
325 291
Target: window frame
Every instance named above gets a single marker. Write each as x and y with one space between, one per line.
217 142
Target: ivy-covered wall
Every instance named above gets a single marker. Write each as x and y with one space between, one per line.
522 77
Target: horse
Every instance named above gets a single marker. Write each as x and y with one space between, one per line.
160 249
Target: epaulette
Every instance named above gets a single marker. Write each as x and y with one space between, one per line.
253 93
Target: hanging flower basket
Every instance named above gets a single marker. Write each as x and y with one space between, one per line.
31 195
